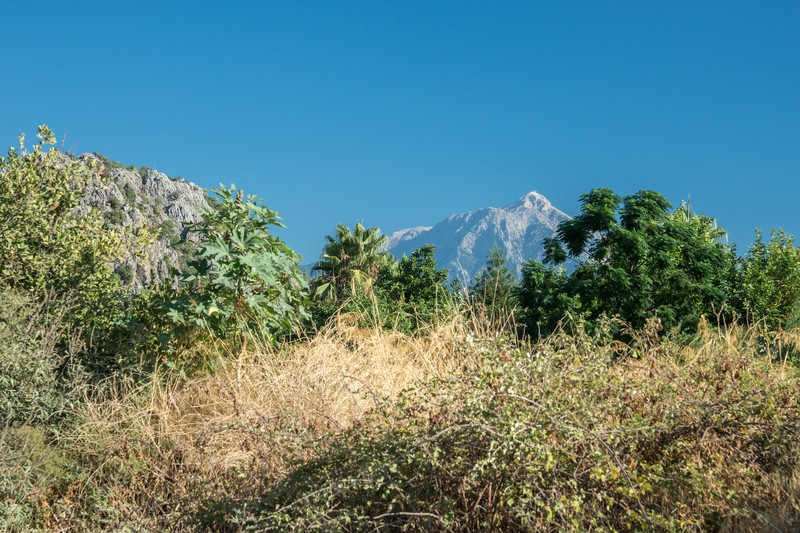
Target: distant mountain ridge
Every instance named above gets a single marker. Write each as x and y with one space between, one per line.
463 240
135 198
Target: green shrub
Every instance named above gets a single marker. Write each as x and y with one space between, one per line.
125 273
35 382
168 230
129 194
39 388
48 246
32 470
115 216
766 284
244 280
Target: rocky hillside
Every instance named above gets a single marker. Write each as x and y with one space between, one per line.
463 240
135 198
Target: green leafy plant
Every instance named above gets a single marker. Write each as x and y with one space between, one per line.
766 284
634 260
243 280
47 244
350 261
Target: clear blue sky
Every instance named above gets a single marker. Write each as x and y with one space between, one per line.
400 113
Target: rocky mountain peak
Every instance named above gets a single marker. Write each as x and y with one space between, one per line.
532 200
463 240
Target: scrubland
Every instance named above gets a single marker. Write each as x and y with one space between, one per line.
461 427
240 394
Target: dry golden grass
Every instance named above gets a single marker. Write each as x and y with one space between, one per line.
324 384
244 426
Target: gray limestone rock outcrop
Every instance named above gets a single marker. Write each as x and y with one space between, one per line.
136 198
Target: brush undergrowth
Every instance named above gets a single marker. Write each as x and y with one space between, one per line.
459 428
571 434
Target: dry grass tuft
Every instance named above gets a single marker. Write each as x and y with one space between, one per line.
238 430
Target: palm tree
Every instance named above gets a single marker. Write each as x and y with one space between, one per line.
350 260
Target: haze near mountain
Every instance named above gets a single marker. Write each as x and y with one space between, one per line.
463 240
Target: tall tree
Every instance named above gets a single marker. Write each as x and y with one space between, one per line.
636 259
494 286
417 279
766 284
351 260
543 297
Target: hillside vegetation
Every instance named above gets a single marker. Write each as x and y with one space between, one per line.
653 385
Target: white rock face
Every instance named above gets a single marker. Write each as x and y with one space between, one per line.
405 234
463 240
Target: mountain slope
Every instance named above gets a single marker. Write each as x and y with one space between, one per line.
134 198
463 240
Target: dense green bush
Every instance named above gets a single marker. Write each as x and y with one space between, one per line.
32 471
40 388
408 296
416 288
634 260
36 378
47 245
544 298
766 282
243 280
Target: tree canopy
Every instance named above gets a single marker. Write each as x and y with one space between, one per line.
350 260
494 286
634 259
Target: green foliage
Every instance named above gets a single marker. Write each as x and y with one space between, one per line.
35 384
47 246
168 230
416 278
634 261
129 194
543 297
417 288
560 438
350 261
125 273
409 296
244 279
494 287
32 470
766 283
115 216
